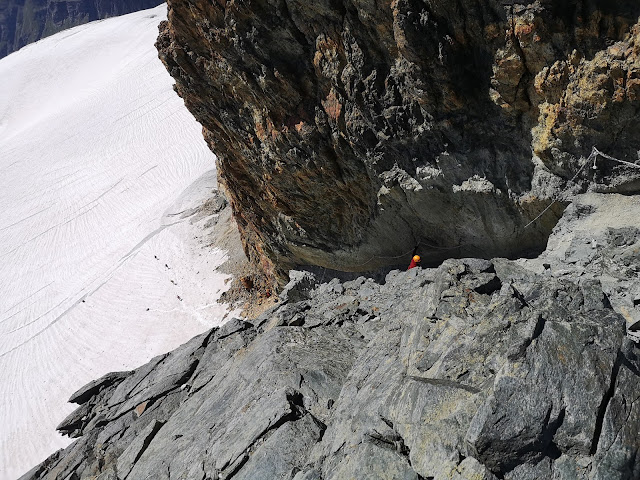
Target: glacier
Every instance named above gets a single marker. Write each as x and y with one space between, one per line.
101 269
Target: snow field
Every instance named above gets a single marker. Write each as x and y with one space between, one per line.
99 271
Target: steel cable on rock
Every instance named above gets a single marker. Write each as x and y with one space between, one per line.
592 156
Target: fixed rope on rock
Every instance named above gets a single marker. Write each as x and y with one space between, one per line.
592 156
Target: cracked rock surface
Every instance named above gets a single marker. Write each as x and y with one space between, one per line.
473 370
350 131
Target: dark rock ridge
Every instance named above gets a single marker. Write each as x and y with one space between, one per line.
349 132
475 370
25 21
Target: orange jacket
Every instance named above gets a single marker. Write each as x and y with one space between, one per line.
413 264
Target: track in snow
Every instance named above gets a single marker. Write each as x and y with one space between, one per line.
97 273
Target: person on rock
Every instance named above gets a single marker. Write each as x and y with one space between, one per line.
415 262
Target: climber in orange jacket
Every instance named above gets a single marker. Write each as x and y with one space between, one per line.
415 262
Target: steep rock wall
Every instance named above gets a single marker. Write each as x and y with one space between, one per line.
349 132
25 21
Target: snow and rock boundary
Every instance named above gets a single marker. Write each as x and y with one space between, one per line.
476 369
100 267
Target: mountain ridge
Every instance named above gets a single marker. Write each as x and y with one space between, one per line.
477 369
27 21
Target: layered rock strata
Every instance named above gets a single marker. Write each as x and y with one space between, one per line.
25 21
475 370
349 132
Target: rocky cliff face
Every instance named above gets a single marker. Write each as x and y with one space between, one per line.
349 132
25 21
512 370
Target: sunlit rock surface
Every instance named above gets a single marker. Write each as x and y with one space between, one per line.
350 132
478 369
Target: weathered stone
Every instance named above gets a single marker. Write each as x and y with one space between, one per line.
73 424
619 437
299 287
284 452
129 457
527 471
474 370
471 469
349 133
93 388
613 263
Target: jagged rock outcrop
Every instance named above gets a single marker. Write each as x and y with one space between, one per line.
349 132
580 247
25 21
474 370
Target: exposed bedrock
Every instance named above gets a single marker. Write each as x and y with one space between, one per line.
349 132
475 370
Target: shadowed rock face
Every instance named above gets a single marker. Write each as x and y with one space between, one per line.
350 131
25 21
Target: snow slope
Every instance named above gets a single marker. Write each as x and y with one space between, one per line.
99 269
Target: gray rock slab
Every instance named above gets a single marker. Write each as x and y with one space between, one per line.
92 388
284 452
131 454
475 370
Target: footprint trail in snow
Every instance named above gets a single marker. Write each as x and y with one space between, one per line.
97 272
